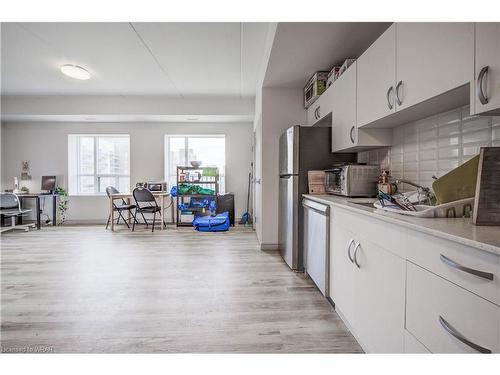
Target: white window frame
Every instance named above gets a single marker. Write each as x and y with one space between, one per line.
167 174
97 176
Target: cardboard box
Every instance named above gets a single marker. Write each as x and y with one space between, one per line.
316 182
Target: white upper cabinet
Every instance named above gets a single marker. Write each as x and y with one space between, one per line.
377 79
485 88
320 108
346 136
431 59
344 133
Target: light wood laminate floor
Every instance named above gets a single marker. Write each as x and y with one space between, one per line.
85 289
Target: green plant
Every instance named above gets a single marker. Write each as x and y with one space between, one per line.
25 190
63 203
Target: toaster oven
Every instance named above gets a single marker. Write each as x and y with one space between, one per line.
352 180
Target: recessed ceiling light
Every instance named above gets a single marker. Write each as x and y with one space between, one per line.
75 71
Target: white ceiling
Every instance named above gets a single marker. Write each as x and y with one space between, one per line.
313 46
178 59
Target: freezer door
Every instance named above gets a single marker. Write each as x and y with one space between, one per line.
288 220
289 152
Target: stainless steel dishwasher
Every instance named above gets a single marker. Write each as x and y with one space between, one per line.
317 243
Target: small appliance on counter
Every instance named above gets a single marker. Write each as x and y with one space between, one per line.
153 186
352 180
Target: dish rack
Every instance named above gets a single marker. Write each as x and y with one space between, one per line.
459 208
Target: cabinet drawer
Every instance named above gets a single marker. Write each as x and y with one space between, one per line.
431 298
437 255
389 237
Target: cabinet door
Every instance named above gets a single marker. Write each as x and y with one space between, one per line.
431 59
341 268
487 84
379 298
376 79
344 132
320 108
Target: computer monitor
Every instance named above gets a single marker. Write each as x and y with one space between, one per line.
49 183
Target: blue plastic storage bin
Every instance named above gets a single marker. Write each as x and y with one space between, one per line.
218 223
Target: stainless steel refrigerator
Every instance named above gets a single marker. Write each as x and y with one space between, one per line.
302 149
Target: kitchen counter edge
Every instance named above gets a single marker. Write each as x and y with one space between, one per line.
461 230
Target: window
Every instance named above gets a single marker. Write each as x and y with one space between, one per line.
98 161
180 150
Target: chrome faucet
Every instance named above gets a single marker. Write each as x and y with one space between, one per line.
422 191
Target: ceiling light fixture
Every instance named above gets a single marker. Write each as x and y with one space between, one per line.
75 71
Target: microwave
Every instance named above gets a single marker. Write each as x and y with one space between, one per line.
352 180
314 88
156 186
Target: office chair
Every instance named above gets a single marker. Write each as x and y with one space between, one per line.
119 207
146 203
10 206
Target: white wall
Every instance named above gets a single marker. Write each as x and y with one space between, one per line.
435 145
281 108
45 146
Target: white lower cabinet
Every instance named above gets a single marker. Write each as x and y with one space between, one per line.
341 269
379 298
447 318
396 293
368 287
412 345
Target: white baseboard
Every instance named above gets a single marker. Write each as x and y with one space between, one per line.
269 247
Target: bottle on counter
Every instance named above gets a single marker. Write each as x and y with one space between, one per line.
385 185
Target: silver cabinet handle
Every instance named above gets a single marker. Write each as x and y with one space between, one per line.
388 94
318 109
349 250
316 113
480 80
351 135
458 266
399 101
356 248
452 331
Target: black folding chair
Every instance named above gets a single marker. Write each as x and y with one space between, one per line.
146 203
119 207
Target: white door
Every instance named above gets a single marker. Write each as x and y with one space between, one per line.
486 85
431 59
376 79
379 298
344 132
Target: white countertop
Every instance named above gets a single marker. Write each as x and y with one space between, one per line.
460 230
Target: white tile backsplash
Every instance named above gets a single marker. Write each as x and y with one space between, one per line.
435 145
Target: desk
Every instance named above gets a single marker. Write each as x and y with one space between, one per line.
127 196
36 197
